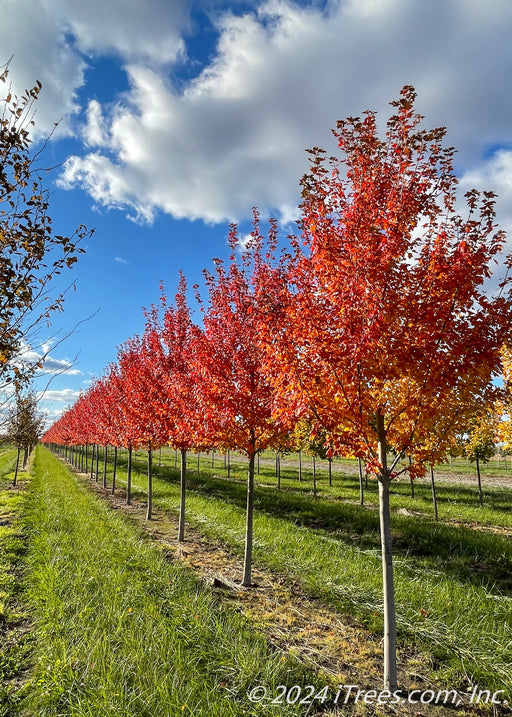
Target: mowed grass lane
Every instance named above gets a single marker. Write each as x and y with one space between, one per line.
119 630
453 583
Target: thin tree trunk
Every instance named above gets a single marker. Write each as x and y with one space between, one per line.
213 457
160 456
86 465
300 465
247 579
411 479
183 477
361 487
229 463
390 666
92 459
114 471
105 468
278 471
480 494
258 464
150 484
25 458
198 463
434 496
17 466
330 471
129 478
314 476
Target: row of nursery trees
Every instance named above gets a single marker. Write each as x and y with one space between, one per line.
373 327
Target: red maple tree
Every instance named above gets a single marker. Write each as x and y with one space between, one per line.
233 388
385 328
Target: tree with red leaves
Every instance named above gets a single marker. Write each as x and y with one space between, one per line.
385 328
236 397
146 406
173 344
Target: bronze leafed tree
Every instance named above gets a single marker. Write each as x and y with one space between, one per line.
31 255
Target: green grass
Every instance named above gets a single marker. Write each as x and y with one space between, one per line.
14 639
121 631
453 583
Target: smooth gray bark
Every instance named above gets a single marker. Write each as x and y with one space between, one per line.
105 467
150 485
434 496
183 481
114 471
479 478
247 579
129 478
390 666
361 486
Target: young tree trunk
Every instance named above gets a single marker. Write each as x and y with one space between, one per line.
97 462
86 463
411 479
198 463
92 459
160 456
105 467
361 487
25 457
434 496
17 466
129 478
480 494
330 471
390 666
314 477
150 484
114 471
300 465
278 471
229 463
258 464
247 581
213 457
183 479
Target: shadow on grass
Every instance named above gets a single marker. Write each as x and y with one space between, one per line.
471 556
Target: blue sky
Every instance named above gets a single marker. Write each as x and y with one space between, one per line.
177 117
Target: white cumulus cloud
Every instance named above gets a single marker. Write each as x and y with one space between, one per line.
279 80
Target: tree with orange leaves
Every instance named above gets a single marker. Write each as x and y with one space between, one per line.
385 327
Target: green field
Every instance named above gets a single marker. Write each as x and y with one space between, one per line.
118 628
453 577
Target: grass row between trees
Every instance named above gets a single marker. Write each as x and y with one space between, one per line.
453 582
118 630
